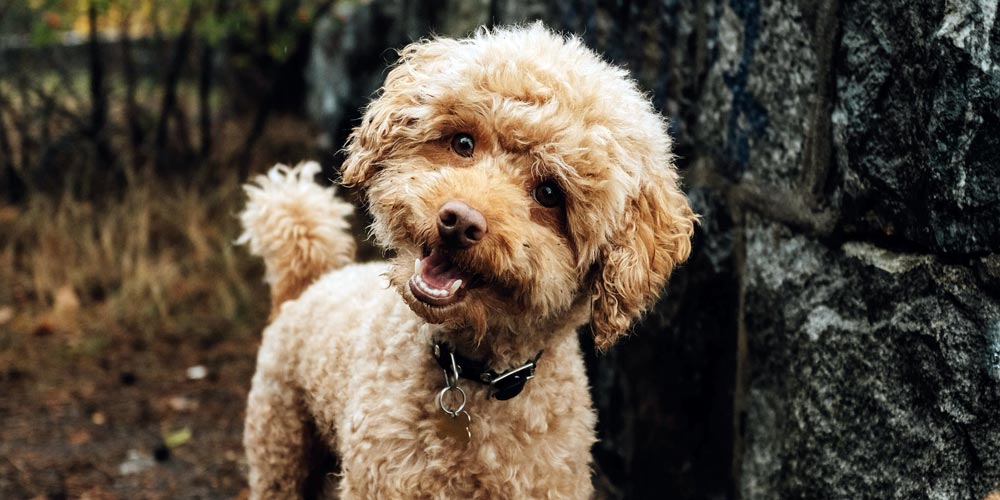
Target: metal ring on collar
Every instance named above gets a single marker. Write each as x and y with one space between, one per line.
441 403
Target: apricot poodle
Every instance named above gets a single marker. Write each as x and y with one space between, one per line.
524 188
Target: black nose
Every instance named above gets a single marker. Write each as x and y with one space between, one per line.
460 225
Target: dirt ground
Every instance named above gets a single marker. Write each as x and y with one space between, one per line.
129 422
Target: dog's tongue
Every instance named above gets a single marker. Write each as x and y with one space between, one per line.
437 270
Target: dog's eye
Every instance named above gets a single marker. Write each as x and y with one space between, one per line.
548 194
463 144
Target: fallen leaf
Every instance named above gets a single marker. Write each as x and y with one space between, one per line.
63 315
44 329
182 404
79 437
67 304
177 438
6 314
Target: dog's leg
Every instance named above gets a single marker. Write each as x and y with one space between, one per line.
277 439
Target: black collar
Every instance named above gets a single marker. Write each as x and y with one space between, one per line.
503 386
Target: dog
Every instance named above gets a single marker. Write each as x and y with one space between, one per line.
525 188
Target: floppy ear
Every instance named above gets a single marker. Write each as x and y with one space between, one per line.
655 237
393 115
369 142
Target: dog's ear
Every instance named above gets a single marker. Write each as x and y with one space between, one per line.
393 118
369 142
653 238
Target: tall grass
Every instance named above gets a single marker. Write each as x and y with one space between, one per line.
159 259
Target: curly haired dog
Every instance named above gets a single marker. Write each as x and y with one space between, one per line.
526 188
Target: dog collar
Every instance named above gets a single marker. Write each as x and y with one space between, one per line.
503 386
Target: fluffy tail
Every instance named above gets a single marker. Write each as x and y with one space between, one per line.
297 226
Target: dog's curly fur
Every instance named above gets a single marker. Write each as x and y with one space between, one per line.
347 363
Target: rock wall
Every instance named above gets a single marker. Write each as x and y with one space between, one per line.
836 333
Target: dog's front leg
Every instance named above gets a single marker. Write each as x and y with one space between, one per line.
276 438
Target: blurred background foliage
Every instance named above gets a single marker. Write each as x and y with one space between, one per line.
162 75
127 316
125 129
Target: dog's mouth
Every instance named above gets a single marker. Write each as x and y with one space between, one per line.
437 280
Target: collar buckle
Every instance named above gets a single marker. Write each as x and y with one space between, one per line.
502 386
511 383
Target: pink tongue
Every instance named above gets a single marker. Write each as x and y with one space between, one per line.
437 271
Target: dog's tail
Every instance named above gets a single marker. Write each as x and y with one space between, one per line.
297 226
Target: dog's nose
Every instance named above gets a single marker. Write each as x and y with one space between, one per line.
460 225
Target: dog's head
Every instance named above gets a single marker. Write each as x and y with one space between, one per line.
519 178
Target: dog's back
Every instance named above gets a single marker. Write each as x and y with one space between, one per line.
297 227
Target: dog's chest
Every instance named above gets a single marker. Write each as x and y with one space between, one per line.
396 440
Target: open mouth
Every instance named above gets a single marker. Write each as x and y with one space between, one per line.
437 281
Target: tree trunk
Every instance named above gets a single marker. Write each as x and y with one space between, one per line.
135 132
170 82
11 184
98 97
204 98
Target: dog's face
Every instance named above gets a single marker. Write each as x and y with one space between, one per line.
519 179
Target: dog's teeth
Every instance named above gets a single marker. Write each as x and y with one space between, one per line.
416 267
434 291
425 287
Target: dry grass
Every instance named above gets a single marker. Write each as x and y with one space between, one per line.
159 260
103 306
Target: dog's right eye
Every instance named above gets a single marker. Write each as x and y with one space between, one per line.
463 144
548 194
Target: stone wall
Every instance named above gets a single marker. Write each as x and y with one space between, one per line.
836 333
